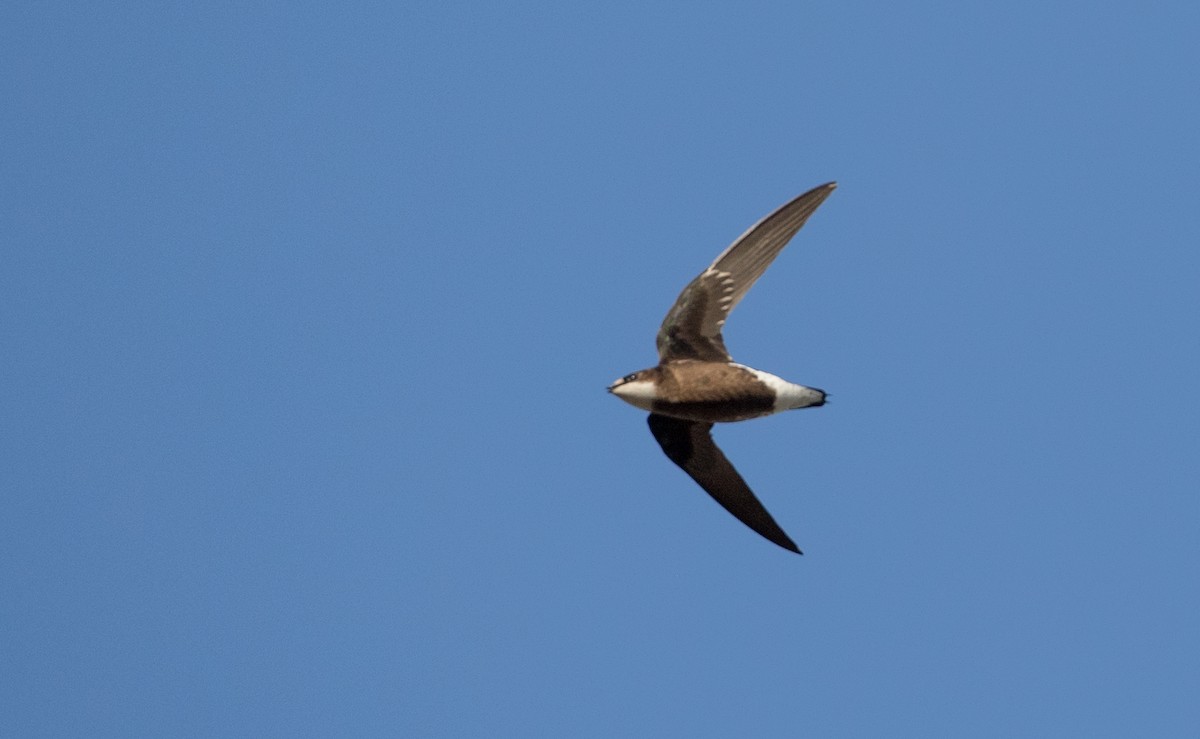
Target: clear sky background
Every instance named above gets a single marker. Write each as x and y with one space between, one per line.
307 312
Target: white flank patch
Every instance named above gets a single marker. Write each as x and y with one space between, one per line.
788 395
640 393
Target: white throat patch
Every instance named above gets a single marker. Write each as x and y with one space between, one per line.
640 393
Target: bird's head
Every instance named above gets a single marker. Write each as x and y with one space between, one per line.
638 388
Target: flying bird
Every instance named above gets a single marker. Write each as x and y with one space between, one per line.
697 383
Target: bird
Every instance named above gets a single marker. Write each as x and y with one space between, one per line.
697 384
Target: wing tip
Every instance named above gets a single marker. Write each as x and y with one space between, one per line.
790 545
823 191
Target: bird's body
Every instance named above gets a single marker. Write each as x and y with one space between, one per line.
696 382
714 392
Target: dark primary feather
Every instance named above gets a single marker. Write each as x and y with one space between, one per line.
689 444
692 327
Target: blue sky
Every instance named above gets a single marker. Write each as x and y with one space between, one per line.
309 310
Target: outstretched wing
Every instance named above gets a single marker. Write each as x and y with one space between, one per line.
692 328
689 444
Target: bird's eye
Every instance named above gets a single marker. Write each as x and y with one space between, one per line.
629 378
